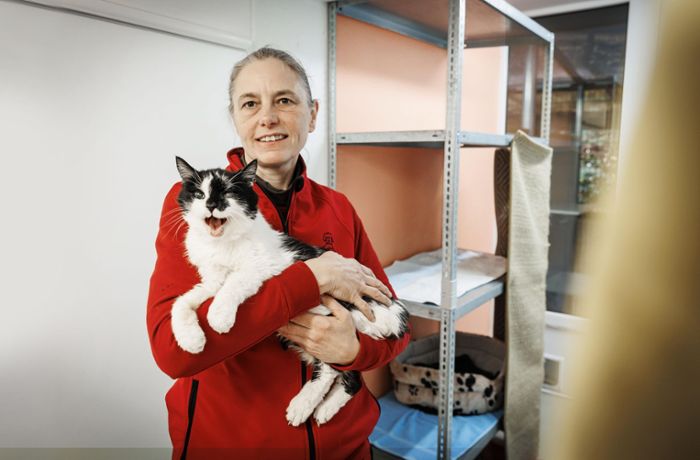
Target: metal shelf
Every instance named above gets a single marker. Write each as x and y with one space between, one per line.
465 303
456 26
432 139
498 24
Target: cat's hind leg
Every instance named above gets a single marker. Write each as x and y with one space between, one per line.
390 322
183 318
311 394
346 386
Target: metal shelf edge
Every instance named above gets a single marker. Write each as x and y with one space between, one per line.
428 139
521 18
388 21
465 303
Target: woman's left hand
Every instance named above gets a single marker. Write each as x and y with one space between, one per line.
332 339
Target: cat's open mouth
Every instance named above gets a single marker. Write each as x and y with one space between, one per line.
216 225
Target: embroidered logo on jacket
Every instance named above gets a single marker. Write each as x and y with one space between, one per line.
328 241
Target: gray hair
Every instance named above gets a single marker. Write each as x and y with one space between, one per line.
269 53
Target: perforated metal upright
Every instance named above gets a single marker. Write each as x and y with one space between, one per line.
450 188
387 14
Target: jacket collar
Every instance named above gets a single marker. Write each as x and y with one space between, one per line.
236 161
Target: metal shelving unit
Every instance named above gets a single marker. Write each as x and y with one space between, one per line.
456 26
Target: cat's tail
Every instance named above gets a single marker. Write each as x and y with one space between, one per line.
390 322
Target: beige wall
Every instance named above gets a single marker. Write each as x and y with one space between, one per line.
385 82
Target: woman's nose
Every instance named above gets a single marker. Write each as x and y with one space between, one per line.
268 117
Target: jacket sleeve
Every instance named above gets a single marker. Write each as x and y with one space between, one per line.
373 353
282 297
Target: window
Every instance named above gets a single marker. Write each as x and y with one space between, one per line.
586 98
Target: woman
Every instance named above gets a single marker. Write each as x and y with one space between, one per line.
229 401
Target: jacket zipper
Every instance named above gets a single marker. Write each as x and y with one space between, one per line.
309 427
190 416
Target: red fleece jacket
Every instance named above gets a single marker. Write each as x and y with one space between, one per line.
229 401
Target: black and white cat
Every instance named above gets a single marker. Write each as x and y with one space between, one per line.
235 250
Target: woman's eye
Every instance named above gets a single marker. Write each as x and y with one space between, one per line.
249 105
198 194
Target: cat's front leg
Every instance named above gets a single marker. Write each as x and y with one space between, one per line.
235 290
183 318
311 394
346 386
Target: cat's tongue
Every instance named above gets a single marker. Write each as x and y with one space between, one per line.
215 225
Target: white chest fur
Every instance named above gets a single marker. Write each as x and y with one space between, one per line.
258 253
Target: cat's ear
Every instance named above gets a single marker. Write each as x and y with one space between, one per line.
247 174
186 171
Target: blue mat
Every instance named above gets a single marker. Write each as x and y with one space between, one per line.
412 434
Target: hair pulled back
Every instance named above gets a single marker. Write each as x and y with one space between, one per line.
268 53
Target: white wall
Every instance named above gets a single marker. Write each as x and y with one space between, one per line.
91 115
300 26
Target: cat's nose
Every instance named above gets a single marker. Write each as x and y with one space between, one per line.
211 206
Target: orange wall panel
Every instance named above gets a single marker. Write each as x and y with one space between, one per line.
389 82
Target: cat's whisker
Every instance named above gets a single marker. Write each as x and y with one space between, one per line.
173 224
172 212
179 227
173 219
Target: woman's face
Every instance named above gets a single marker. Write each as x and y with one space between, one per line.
271 113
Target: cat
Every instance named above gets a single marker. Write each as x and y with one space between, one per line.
235 250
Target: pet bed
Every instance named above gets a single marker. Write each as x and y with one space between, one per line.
478 378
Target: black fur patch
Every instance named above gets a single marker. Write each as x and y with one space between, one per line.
316 371
351 382
284 342
217 193
223 186
301 250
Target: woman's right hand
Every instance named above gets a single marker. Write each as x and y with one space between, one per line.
348 280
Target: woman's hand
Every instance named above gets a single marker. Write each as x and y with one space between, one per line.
348 280
331 339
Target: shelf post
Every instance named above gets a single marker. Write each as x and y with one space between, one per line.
448 299
332 145
547 92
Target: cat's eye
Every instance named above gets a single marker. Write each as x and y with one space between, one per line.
198 194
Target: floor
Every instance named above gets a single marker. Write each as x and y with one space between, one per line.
493 451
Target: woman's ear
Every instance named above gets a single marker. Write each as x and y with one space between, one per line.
314 114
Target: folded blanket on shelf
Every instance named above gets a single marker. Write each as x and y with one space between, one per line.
418 278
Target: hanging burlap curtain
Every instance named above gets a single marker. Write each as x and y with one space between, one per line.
521 181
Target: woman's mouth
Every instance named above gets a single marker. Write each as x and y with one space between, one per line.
216 225
270 138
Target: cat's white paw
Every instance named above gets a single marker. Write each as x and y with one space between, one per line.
326 410
300 408
389 321
193 341
332 403
188 334
221 315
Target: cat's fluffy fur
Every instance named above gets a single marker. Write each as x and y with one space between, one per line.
235 250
